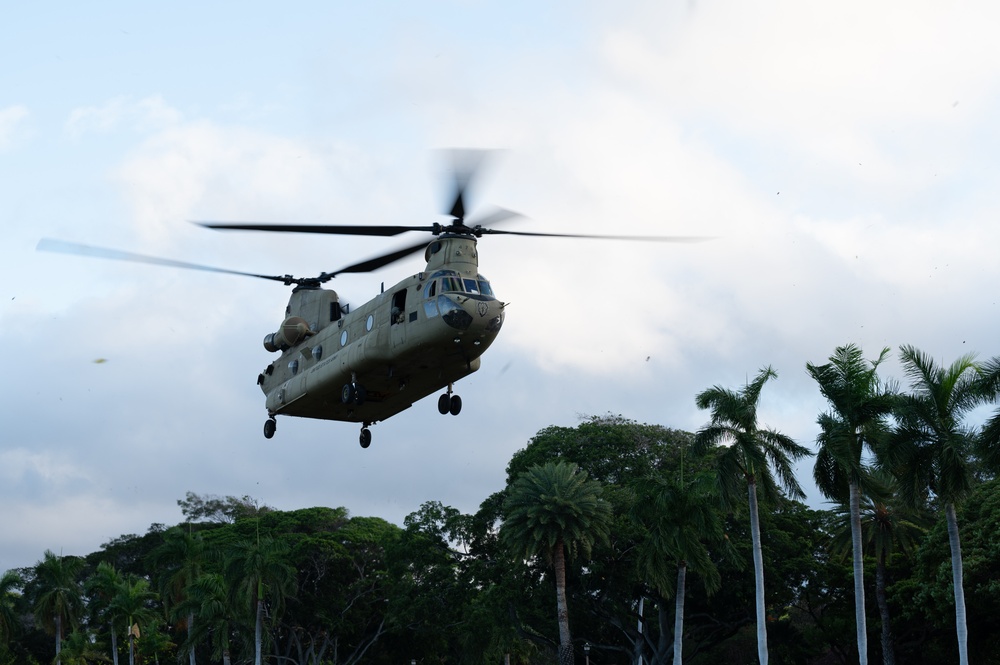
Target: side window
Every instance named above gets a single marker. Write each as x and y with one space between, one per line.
398 307
431 289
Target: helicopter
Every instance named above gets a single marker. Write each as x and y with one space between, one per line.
418 337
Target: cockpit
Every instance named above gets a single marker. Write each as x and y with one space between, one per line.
449 281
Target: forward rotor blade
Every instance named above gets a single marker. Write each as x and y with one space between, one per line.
465 164
63 247
331 229
497 216
685 239
369 265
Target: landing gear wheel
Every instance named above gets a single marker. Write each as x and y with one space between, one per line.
444 404
456 405
270 426
366 437
347 393
360 394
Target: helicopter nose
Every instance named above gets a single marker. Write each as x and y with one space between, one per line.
454 314
472 315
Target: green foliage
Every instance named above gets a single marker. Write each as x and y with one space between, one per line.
859 418
682 524
220 510
931 448
10 582
446 587
555 504
56 592
748 453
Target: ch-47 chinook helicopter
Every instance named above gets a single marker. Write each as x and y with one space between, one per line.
368 363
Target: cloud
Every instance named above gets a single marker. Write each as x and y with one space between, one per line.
143 115
10 119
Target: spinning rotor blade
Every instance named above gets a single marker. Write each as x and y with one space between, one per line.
62 247
600 237
332 229
370 265
465 164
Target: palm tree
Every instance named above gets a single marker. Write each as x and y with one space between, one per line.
101 588
8 615
554 511
747 461
207 599
679 519
257 569
861 406
57 596
79 649
886 525
931 448
989 440
134 600
179 560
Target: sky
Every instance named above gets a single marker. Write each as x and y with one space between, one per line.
842 156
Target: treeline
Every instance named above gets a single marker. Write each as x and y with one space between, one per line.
609 539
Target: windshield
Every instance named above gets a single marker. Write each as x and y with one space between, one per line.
479 285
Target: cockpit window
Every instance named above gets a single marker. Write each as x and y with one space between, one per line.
484 286
451 284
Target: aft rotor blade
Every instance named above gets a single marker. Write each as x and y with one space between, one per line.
63 247
331 229
379 261
687 239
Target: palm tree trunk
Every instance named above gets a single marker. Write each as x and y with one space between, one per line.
131 642
888 650
562 607
679 613
758 570
58 638
114 644
257 630
859 573
961 628
190 627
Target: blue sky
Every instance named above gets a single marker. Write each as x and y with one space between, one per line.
844 156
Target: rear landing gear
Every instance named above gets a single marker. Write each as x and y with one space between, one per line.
449 403
270 427
366 436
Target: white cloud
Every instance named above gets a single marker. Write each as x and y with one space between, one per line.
143 115
10 118
18 465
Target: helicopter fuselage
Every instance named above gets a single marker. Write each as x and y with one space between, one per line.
416 338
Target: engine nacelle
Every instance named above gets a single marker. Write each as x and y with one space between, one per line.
293 330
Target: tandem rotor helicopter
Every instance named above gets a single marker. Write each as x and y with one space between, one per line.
422 335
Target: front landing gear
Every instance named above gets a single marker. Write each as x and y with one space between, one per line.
366 436
270 427
449 403
353 393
